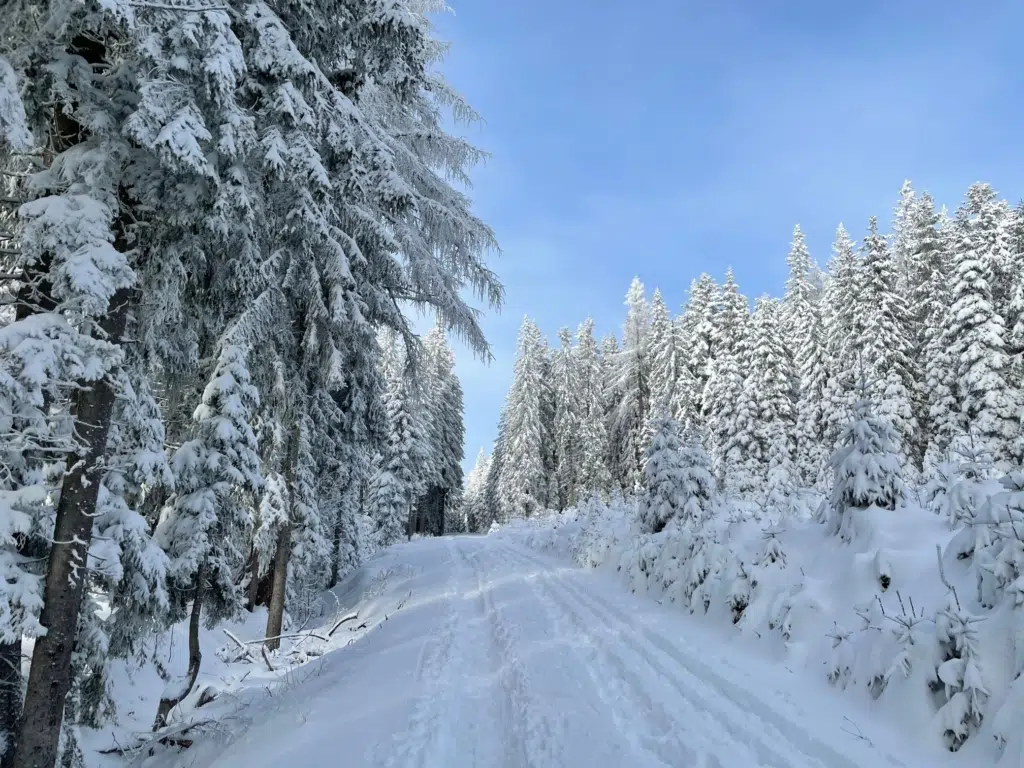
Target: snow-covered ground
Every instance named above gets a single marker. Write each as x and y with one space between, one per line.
479 651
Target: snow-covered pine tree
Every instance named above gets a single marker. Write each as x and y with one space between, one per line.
973 334
439 408
992 229
938 363
697 324
805 337
373 218
204 530
547 412
669 380
770 385
567 422
901 242
1015 311
677 477
843 329
632 390
886 347
523 483
926 288
722 393
866 468
496 506
477 517
394 485
593 475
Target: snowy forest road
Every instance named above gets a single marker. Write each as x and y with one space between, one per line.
511 658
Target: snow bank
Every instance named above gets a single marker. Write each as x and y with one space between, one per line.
237 685
874 614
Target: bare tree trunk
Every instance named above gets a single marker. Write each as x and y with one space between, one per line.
50 675
195 655
275 611
254 581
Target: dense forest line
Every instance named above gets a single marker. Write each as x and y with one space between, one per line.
929 319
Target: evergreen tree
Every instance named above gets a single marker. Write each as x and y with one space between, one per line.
698 325
632 390
567 421
926 288
523 483
803 323
677 477
724 387
770 385
886 348
593 475
477 516
843 330
666 356
866 468
973 333
393 486
203 531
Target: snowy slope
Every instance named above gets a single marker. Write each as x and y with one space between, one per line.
500 656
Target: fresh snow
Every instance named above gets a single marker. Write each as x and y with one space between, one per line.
480 651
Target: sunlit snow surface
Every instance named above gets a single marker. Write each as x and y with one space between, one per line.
501 656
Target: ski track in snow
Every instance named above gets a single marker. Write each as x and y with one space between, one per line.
514 659
683 692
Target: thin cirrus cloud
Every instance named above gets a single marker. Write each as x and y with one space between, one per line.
688 137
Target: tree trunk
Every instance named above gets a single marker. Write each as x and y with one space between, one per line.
336 549
34 296
275 612
195 655
254 581
50 675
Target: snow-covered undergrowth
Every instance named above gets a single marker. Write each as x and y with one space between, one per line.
237 679
939 648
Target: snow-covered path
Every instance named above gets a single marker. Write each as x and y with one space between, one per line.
504 657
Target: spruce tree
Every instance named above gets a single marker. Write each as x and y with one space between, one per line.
567 421
631 388
523 483
973 333
770 384
677 477
203 531
666 357
802 319
843 330
477 516
726 373
697 324
886 348
866 468
593 475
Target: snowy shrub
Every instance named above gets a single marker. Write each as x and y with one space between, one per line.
677 477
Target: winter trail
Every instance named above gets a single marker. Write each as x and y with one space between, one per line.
506 657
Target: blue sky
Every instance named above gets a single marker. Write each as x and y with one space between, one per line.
665 139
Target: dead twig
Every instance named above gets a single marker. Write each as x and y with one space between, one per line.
350 617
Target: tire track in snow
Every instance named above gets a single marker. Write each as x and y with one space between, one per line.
429 728
532 737
744 715
650 731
